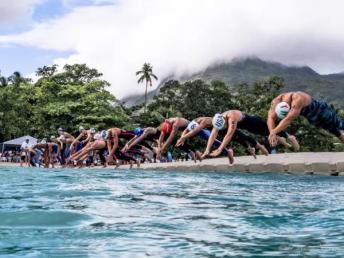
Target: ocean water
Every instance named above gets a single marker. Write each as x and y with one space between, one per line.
108 213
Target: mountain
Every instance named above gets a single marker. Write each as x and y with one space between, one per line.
249 70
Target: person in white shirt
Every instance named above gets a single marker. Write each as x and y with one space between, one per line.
26 145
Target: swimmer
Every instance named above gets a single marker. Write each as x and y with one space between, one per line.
289 106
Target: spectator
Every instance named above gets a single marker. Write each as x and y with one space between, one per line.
25 151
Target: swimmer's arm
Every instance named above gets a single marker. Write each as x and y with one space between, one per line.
232 126
184 133
68 135
272 114
285 122
131 141
76 139
170 138
136 140
194 131
88 138
161 138
115 144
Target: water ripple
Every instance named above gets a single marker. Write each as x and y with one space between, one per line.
107 213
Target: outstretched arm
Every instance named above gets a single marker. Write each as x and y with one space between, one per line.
193 132
170 138
272 115
133 142
285 122
232 126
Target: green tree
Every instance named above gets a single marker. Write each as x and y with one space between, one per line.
146 74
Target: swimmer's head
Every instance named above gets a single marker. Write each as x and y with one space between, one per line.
166 127
282 109
104 134
138 131
81 129
218 122
192 125
92 130
60 131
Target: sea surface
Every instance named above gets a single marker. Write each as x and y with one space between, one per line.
112 213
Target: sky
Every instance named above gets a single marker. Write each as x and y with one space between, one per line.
176 36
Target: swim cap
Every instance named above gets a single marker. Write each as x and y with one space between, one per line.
98 136
81 129
192 125
218 122
43 141
166 127
138 131
92 130
282 109
52 137
60 130
104 135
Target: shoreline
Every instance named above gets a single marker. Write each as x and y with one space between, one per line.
317 163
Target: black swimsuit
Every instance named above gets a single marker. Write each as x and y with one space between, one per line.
257 125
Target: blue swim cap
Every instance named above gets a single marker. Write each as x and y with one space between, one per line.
138 131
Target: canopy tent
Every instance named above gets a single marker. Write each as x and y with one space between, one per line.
18 142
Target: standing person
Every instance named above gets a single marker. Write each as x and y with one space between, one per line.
233 119
24 156
289 106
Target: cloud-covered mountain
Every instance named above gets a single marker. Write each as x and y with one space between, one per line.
250 70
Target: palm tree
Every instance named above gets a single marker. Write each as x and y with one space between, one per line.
146 75
16 79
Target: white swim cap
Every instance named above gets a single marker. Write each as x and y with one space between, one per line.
192 125
81 129
92 130
43 141
282 109
97 136
104 134
218 122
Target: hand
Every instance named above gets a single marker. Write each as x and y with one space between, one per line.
180 142
125 148
273 139
215 153
205 154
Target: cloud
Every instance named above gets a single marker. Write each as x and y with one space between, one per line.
184 36
16 10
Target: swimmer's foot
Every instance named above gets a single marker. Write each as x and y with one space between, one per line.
252 151
262 149
230 156
199 155
284 142
193 156
294 143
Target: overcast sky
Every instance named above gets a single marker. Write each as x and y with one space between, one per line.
175 36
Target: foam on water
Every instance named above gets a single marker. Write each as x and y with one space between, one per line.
107 213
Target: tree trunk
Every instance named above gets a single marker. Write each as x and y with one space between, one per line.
146 97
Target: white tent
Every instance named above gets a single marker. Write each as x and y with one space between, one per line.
18 142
